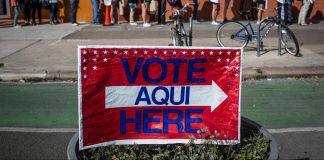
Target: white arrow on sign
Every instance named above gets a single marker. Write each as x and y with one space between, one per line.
200 95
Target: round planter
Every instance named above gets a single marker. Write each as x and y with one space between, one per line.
248 127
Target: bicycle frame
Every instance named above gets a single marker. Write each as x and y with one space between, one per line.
254 35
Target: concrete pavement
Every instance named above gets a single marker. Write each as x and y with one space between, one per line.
50 51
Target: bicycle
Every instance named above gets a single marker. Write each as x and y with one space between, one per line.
178 33
235 34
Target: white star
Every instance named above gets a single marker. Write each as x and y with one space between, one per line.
94 67
211 53
95 60
202 52
115 52
227 60
145 52
227 67
236 60
219 59
95 52
85 76
237 67
236 74
193 53
105 60
125 51
165 52
135 52
84 60
237 53
84 52
228 52
155 52
174 52
184 52
220 52
105 52
84 68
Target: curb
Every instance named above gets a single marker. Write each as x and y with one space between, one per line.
248 73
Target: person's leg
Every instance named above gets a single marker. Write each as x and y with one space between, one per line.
39 11
73 10
195 11
286 14
15 20
144 13
33 8
95 10
304 11
279 6
27 12
113 7
227 2
131 14
55 12
260 12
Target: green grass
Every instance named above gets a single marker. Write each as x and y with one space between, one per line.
274 104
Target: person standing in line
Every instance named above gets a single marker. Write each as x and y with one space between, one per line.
283 7
132 6
113 7
74 8
195 11
36 5
215 12
303 12
16 4
261 5
145 16
95 12
27 7
53 11
226 5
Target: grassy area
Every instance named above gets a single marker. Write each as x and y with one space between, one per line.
274 104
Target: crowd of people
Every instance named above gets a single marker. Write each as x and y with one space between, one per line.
30 7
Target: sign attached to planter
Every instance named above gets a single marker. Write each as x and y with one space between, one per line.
158 95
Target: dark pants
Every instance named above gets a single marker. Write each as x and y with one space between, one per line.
38 7
27 11
74 7
161 9
285 8
53 12
195 11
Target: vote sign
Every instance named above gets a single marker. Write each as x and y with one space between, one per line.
157 95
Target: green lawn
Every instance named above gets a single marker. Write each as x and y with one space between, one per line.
274 104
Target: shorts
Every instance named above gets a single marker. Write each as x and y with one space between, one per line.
214 1
146 1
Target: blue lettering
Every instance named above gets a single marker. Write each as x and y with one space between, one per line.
176 63
146 97
192 120
163 100
191 70
167 121
147 120
131 78
181 99
124 121
146 67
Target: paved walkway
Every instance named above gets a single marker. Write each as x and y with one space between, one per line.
47 51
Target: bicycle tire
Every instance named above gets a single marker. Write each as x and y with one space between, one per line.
190 31
288 38
227 39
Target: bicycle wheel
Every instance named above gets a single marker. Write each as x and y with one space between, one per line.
289 41
232 34
175 37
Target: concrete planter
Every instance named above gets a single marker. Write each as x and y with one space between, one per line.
248 127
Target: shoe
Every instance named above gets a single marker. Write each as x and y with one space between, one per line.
27 23
133 23
75 24
225 20
258 22
304 24
146 25
96 23
215 23
17 26
51 22
283 31
195 22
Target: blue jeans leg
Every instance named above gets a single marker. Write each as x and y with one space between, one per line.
95 10
53 11
74 6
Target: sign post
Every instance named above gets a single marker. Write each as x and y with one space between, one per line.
157 95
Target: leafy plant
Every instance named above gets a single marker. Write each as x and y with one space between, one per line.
254 147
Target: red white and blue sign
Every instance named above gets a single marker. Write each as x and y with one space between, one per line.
157 95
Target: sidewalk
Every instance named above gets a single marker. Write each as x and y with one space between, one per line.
50 51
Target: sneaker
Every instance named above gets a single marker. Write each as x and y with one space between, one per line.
51 22
146 25
215 23
133 23
75 24
17 26
283 31
195 22
258 22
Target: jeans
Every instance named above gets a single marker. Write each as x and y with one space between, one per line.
27 11
74 7
17 10
284 8
95 10
53 12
